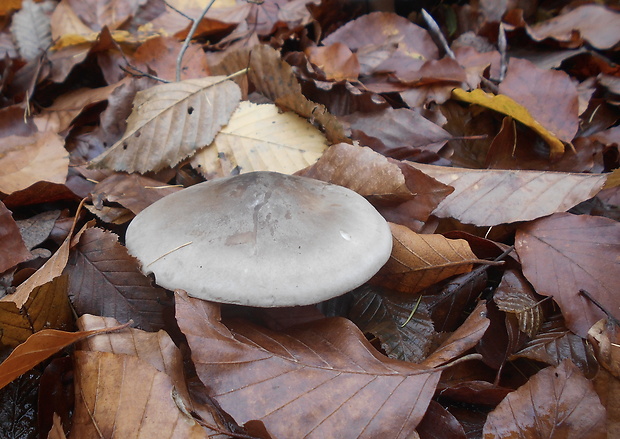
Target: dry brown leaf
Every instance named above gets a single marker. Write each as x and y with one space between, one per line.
47 307
419 261
123 396
39 347
514 295
492 197
563 254
106 281
170 122
25 161
336 60
13 247
605 336
321 379
557 402
260 138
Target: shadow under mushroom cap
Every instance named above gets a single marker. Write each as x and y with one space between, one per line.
261 239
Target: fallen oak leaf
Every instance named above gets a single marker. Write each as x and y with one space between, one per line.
315 380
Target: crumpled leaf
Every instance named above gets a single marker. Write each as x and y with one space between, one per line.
419 260
563 254
605 336
170 122
491 197
515 296
557 402
106 281
389 316
321 379
260 138
25 161
505 105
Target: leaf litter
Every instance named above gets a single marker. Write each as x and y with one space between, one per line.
465 144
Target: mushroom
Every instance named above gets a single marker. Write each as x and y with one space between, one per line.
261 239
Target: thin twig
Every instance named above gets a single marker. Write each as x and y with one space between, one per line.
436 32
189 37
170 251
177 11
134 68
611 318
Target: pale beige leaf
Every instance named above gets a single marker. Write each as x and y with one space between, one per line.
25 161
260 138
31 28
492 197
170 122
419 261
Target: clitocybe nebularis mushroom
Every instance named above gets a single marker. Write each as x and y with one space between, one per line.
261 239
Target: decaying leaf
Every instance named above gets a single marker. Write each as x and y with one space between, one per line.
565 253
419 261
515 296
31 28
260 138
11 242
492 197
315 380
25 161
505 105
557 402
170 122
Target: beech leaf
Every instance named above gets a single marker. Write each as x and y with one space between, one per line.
260 138
14 248
320 379
491 197
563 254
557 402
419 261
170 122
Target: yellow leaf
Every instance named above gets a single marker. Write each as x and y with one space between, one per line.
260 138
505 105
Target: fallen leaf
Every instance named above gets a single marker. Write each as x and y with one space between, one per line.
605 336
170 122
14 248
336 60
419 261
37 348
316 380
550 97
505 105
106 281
514 295
260 138
25 161
492 197
557 402
565 253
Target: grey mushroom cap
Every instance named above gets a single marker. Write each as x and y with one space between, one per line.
261 239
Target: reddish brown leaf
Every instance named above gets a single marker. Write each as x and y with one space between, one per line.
319 379
13 248
106 281
549 95
558 402
565 253
514 295
336 60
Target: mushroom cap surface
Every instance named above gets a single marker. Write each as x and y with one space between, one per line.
261 239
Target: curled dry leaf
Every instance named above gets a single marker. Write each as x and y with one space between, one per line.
25 161
336 60
555 343
514 295
170 122
419 261
605 335
557 402
565 253
321 379
492 197
260 138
